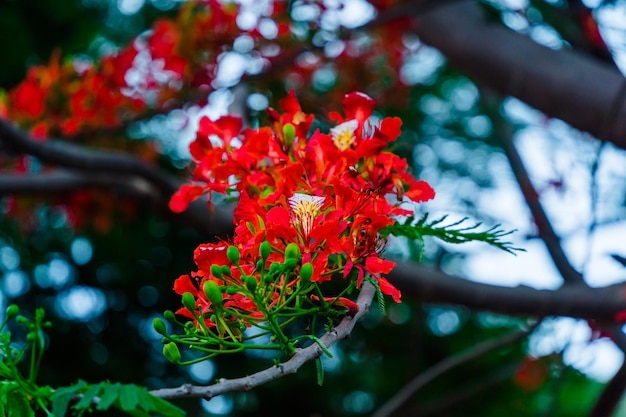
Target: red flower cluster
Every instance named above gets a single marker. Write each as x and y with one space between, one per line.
311 203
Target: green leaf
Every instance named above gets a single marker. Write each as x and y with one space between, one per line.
62 396
18 405
451 233
108 397
87 399
128 397
163 407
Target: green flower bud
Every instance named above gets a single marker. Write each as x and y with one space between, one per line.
231 290
290 263
226 271
159 326
169 316
12 311
292 251
306 272
275 268
212 292
189 301
171 352
290 133
265 249
216 271
268 278
259 265
251 283
232 253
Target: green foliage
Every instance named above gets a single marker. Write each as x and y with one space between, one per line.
20 396
450 233
132 399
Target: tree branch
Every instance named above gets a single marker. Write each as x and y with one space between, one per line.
428 285
544 226
291 366
61 181
585 93
107 170
444 366
67 155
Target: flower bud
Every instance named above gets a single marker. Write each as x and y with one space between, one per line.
251 283
306 272
232 253
290 263
189 301
265 249
216 271
292 251
12 311
171 352
290 133
169 315
159 326
226 271
231 290
275 268
212 292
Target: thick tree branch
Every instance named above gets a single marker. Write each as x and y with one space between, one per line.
67 155
291 366
106 170
432 286
61 181
585 93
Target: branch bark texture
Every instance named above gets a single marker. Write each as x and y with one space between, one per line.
584 92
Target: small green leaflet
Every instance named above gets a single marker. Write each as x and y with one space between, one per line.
132 399
451 233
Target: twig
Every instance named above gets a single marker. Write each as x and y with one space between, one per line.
444 366
343 330
429 285
546 231
464 392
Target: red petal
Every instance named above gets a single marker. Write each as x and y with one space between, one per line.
358 106
208 254
420 191
388 289
183 284
290 103
185 195
390 128
376 265
226 127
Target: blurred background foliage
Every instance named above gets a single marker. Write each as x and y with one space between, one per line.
103 283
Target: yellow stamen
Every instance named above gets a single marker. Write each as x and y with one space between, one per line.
304 210
343 134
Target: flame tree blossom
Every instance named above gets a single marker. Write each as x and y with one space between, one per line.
308 223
